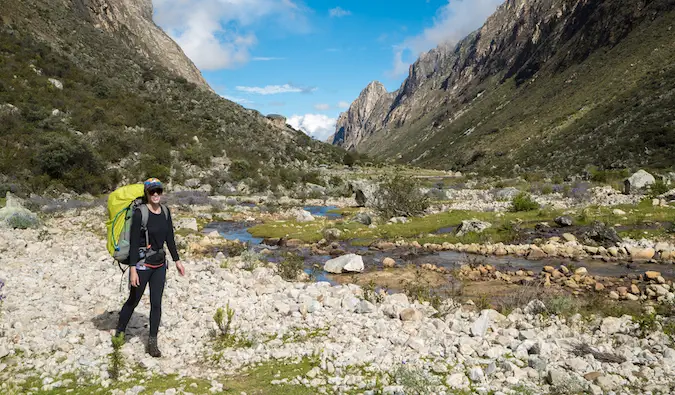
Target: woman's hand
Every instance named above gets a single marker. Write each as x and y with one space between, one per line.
180 267
133 277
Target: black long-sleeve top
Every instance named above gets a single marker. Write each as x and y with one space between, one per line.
160 231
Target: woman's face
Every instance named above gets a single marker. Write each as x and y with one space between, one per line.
155 195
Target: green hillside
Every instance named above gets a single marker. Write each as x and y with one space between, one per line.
118 116
612 110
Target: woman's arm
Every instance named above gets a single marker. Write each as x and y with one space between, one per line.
171 241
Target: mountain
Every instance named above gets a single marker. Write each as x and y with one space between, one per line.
131 21
552 85
94 94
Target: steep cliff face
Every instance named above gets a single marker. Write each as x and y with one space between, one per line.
132 21
351 125
524 58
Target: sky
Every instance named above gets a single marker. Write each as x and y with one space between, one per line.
309 59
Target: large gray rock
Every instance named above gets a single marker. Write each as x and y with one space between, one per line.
363 218
601 234
302 215
365 192
15 215
345 263
472 225
638 182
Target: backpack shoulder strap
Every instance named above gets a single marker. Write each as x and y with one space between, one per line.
165 209
145 214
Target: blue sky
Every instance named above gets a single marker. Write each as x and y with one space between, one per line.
308 60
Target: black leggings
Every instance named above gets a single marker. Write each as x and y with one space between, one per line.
156 278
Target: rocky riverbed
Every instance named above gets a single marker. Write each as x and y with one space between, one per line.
63 294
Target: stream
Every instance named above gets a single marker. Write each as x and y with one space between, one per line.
447 259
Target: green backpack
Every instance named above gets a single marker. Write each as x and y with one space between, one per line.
122 203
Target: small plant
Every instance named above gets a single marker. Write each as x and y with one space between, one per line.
223 319
523 202
415 380
371 294
116 357
236 249
483 302
251 259
646 322
226 335
291 266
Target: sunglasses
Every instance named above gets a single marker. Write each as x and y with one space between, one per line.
155 191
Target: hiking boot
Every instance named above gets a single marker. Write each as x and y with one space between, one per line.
152 347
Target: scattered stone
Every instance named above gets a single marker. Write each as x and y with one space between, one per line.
652 275
56 83
564 221
332 234
569 237
388 262
410 314
345 263
363 218
476 374
472 226
602 234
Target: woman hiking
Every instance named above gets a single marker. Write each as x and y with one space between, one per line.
147 260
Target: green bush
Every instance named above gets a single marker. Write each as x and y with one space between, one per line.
523 202
399 195
350 158
22 220
658 188
291 266
240 169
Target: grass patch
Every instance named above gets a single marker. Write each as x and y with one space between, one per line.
74 383
257 379
643 216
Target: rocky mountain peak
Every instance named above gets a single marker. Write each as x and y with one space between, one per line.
132 21
352 122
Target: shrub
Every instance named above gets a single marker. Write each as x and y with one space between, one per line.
22 220
658 188
226 335
523 202
240 169
291 266
116 357
400 196
251 259
350 158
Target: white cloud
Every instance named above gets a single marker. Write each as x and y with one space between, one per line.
239 100
453 22
343 104
265 59
338 12
318 126
322 107
218 34
275 89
